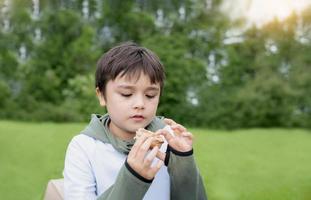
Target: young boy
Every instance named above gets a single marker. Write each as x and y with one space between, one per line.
105 161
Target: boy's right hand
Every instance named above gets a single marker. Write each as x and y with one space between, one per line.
141 161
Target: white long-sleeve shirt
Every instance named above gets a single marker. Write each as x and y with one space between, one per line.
92 166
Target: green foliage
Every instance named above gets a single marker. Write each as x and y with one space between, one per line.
183 71
47 62
5 92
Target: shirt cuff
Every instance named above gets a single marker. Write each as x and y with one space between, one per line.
136 174
174 151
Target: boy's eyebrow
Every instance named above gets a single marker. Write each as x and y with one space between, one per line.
132 87
153 88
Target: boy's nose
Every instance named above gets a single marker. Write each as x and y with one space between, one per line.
139 103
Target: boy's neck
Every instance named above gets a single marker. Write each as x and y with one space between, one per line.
119 133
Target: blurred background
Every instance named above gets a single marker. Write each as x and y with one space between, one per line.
238 74
229 64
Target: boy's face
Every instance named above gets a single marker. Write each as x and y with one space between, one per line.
131 104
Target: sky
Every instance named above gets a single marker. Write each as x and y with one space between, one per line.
261 11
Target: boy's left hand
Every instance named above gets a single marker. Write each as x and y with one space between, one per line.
182 141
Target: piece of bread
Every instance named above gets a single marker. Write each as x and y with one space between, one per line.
158 140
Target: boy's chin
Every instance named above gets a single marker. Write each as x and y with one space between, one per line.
135 127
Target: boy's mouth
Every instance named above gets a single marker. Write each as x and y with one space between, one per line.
138 117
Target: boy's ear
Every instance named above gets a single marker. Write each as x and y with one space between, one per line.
100 97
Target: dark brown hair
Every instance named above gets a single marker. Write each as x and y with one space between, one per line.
128 59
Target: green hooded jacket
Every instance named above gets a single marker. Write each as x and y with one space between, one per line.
185 180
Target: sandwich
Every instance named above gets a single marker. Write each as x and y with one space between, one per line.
158 140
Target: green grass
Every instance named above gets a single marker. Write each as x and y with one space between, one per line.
241 165
269 164
30 155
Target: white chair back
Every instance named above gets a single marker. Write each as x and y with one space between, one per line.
55 190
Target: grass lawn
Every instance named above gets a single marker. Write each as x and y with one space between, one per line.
269 164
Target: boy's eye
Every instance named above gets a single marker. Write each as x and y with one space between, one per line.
150 96
126 95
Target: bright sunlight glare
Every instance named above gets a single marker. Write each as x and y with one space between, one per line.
261 11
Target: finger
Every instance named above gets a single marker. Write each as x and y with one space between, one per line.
178 128
168 136
158 132
169 129
137 144
151 155
161 155
157 167
187 134
169 121
142 150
